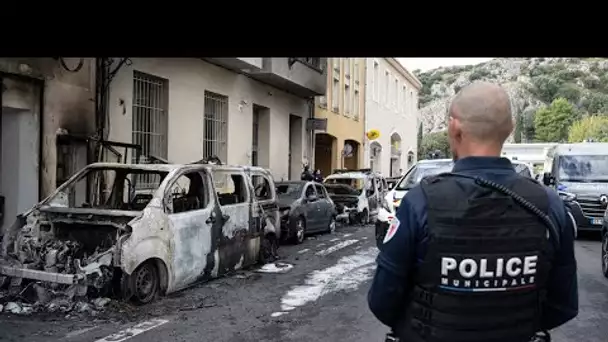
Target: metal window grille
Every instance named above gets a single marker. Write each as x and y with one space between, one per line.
150 107
216 126
255 137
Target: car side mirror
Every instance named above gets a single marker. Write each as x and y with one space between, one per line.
225 217
548 179
311 198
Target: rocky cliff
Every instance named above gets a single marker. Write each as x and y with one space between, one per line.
531 83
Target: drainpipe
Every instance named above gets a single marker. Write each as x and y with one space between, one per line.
311 115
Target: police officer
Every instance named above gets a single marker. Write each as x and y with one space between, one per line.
481 254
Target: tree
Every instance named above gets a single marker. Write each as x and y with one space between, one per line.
551 123
594 128
433 142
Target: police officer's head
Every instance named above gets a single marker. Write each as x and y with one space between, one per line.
479 120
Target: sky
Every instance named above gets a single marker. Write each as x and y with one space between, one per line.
425 64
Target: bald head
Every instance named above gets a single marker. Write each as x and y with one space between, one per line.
483 111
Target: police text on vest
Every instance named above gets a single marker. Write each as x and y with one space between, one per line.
488 274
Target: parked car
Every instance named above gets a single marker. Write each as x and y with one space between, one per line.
358 195
581 170
143 230
392 182
305 207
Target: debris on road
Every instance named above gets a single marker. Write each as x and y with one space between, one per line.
277 267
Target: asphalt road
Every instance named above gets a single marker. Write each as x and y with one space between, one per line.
321 298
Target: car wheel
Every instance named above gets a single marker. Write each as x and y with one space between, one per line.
299 231
268 250
331 228
145 283
364 219
605 254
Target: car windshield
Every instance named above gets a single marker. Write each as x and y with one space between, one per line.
356 183
289 190
423 170
340 190
586 168
109 188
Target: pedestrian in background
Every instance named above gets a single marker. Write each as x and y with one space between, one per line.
481 254
317 176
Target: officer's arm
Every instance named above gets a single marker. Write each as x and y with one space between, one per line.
562 286
388 295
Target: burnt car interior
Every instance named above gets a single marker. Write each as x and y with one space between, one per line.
232 189
118 189
262 187
188 193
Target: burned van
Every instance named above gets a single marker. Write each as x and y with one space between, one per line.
142 230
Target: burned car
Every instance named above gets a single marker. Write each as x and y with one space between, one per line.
142 230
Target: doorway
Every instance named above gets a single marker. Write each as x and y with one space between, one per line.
19 147
260 136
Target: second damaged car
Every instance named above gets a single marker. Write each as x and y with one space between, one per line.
142 230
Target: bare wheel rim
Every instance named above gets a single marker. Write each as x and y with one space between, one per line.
145 283
605 253
300 230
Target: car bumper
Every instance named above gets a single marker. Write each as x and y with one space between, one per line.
584 223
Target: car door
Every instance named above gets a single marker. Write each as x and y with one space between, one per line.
267 207
234 198
323 205
189 207
311 207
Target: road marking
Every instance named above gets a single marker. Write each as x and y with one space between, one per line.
348 273
347 235
321 245
277 314
135 330
336 247
334 240
303 251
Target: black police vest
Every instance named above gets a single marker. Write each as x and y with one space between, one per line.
484 273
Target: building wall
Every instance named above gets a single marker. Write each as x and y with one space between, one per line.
344 111
68 103
187 81
391 106
38 98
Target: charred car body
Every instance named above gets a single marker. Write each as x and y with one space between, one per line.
305 207
141 230
356 193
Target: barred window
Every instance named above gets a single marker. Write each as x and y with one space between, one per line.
216 126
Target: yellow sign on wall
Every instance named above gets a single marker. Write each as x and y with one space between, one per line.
373 134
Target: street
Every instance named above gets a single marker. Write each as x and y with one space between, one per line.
321 298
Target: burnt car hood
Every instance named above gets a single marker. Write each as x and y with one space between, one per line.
117 218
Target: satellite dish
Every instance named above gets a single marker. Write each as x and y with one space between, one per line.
348 150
